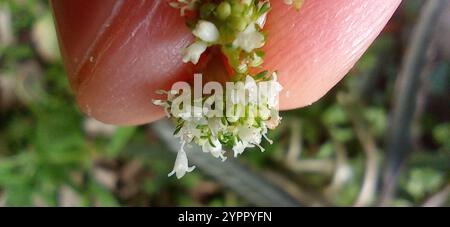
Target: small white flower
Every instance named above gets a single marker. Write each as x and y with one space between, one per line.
193 52
274 120
249 39
239 147
249 134
215 148
206 31
181 164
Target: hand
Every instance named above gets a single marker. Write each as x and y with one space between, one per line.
117 52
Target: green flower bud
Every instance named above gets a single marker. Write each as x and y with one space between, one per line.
237 8
223 11
237 23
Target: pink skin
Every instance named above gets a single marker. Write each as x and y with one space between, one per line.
118 52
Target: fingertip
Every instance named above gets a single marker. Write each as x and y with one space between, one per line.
313 49
135 51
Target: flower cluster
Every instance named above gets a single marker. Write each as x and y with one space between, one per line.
239 118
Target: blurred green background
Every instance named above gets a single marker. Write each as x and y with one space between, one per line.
52 155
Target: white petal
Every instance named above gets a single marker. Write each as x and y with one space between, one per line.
249 39
274 120
238 148
158 102
206 31
194 51
249 134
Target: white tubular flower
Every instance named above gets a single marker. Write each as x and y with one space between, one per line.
249 134
193 52
181 164
249 39
274 120
239 147
206 31
215 148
